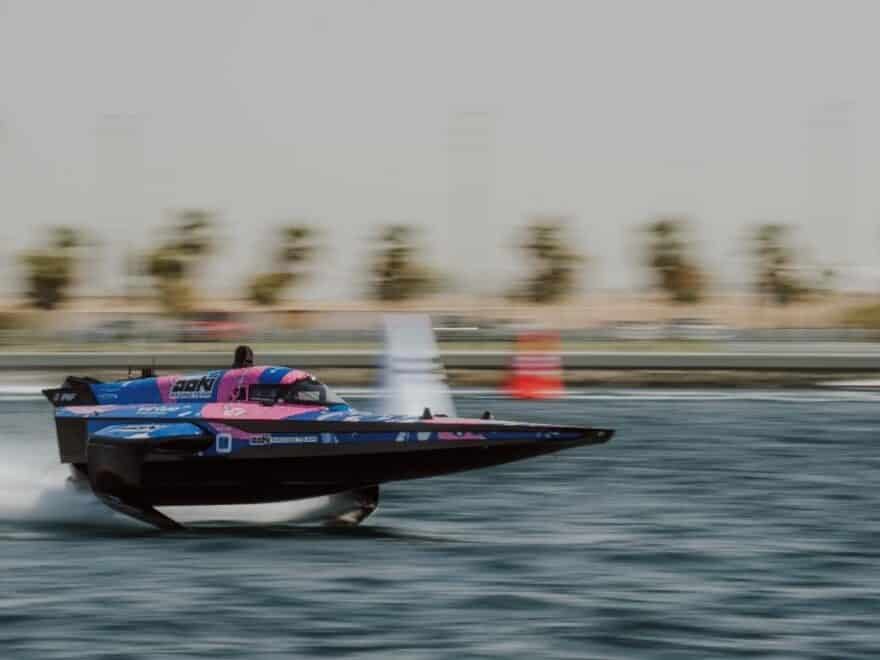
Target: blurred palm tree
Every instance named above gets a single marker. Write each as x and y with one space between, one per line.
50 271
555 263
396 270
171 263
668 255
776 275
295 250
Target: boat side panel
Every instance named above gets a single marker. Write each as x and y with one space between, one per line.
247 430
216 481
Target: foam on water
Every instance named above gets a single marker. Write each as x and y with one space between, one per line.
35 488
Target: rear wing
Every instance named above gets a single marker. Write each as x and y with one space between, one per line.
75 391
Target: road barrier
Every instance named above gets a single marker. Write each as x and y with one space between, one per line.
841 362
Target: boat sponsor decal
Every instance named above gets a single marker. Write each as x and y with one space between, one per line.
160 409
199 387
132 431
150 431
293 439
64 397
135 428
234 411
298 439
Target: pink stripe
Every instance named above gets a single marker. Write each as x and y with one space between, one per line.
236 378
243 410
294 375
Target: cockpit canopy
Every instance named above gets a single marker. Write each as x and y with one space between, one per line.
307 391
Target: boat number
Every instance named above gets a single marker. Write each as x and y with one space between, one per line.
233 411
224 443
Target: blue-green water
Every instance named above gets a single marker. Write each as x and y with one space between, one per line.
716 524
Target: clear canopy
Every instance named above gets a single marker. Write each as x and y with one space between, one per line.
307 391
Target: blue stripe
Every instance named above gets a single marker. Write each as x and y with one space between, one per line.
141 390
273 375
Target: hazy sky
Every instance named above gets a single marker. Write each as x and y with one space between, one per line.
464 117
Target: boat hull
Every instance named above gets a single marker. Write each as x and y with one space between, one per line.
267 434
290 469
272 479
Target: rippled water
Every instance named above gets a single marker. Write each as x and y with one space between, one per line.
716 524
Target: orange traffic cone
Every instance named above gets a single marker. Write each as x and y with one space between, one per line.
536 367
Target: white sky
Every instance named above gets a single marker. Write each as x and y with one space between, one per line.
464 117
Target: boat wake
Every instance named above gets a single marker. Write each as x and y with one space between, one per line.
33 490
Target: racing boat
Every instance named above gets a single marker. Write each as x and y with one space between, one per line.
254 434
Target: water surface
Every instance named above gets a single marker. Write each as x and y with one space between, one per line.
715 524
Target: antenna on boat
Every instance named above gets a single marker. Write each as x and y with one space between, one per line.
149 372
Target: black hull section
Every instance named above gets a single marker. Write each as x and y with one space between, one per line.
212 481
